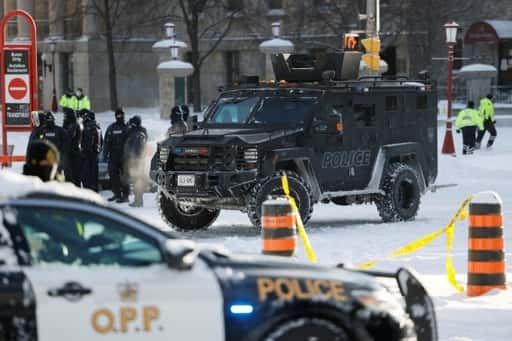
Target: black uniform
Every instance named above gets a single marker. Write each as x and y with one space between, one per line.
56 135
91 147
134 158
37 126
74 165
115 138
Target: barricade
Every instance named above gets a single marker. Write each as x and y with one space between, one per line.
486 255
278 230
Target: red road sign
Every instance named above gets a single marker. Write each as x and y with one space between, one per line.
17 88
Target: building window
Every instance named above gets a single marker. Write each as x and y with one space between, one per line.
67 75
275 4
232 61
234 5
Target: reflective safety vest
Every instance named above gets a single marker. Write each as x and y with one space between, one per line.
67 102
467 118
82 103
486 109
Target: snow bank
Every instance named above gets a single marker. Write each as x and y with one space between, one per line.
478 68
13 185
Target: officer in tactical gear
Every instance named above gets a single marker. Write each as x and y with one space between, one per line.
82 101
134 157
178 124
487 114
91 147
74 157
57 136
115 138
42 160
68 102
468 120
38 120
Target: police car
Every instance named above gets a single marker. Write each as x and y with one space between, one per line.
72 268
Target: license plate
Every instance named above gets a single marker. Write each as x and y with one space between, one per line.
186 180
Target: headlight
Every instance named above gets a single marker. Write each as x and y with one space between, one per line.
164 155
251 155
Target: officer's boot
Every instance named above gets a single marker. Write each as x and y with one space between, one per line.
477 145
490 142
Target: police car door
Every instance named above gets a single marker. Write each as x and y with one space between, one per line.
96 277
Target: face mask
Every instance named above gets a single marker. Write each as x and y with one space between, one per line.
78 93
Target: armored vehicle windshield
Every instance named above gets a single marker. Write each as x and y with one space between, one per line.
261 109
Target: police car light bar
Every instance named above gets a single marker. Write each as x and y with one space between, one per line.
241 309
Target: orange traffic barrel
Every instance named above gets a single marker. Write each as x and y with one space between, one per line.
486 247
278 230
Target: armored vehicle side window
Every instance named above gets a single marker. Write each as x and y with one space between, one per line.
364 115
421 102
391 103
282 110
78 238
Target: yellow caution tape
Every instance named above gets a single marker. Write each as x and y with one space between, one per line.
418 244
300 227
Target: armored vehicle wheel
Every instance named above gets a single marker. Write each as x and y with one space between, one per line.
185 217
304 329
402 194
271 186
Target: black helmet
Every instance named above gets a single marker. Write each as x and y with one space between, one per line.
88 116
176 114
136 120
42 160
489 96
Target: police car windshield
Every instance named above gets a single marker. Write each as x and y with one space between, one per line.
261 110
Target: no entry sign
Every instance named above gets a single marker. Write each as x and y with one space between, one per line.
17 86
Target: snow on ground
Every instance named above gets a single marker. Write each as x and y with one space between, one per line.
355 234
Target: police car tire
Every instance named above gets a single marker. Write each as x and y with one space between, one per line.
299 189
402 196
305 329
173 217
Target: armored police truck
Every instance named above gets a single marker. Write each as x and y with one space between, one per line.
339 138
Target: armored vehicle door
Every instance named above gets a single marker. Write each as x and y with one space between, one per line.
331 141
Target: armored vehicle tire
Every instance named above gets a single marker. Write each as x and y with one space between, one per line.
304 329
185 218
271 186
402 194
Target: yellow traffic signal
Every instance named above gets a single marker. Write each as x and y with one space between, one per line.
372 57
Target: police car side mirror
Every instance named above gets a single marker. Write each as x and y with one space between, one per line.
180 254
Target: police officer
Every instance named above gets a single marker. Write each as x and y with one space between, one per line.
178 125
115 138
42 160
487 114
74 157
91 147
134 156
56 135
82 101
68 101
468 120
38 120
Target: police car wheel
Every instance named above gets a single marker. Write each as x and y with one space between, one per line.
306 329
271 186
183 216
402 194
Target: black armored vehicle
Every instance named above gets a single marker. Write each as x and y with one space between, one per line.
338 138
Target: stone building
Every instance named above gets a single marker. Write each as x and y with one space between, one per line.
411 31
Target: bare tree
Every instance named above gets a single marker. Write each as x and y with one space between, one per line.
220 14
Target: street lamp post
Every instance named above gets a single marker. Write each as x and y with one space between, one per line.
451 40
53 46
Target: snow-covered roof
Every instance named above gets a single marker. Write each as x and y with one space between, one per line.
478 68
167 43
503 28
14 185
277 45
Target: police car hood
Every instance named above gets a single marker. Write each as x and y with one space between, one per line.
247 135
14 185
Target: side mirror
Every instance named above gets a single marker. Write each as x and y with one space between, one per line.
180 254
334 124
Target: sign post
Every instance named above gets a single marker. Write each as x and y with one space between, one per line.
18 81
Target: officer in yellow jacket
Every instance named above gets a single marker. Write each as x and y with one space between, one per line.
68 102
83 103
487 114
468 120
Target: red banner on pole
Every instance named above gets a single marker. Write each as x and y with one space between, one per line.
18 79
